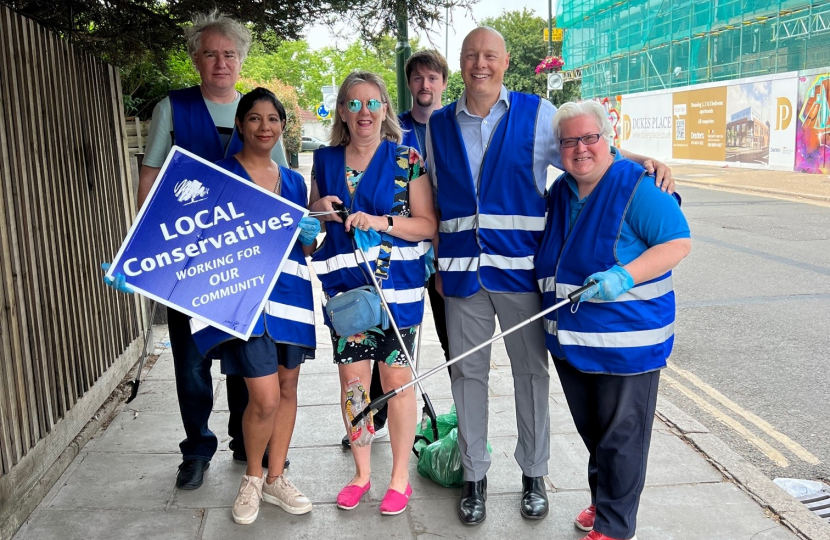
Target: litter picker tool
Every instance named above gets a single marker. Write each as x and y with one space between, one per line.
377 403
149 332
428 409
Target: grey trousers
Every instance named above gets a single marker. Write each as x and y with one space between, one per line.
471 321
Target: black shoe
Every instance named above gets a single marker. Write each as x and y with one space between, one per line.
191 473
240 456
471 509
346 441
534 498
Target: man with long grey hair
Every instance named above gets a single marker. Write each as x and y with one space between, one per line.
200 119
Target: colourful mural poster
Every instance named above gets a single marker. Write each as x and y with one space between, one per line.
699 124
812 153
748 108
612 109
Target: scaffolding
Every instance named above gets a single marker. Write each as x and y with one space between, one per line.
623 47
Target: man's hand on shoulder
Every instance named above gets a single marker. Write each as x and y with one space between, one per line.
662 174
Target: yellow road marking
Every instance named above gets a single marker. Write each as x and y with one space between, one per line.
774 455
765 426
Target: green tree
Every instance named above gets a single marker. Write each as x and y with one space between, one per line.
455 85
523 32
293 133
125 32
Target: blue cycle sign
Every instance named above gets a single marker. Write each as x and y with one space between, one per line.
208 243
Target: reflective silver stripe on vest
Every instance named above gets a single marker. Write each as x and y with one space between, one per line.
507 263
457 224
291 313
546 284
507 222
458 264
550 326
403 296
615 340
293 268
350 260
511 222
196 325
649 291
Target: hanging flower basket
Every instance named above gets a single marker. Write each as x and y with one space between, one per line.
551 63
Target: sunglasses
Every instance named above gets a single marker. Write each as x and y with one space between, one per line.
587 140
354 105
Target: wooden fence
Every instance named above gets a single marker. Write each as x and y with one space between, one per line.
66 340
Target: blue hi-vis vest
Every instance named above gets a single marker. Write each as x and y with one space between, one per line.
488 233
409 137
289 312
632 334
336 261
193 127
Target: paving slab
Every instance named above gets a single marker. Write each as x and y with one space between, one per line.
152 432
84 524
671 462
704 512
119 482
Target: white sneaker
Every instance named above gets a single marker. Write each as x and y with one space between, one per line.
283 493
381 432
246 506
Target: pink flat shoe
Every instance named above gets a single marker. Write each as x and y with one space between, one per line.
395 502
349 496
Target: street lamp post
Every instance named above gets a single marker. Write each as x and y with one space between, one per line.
550 27
402 53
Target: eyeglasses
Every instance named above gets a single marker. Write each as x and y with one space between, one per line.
587 140
354 105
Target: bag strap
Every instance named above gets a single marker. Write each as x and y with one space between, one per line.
400 198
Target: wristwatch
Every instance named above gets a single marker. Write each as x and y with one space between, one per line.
391 223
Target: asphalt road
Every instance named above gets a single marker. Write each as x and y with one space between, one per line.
752 351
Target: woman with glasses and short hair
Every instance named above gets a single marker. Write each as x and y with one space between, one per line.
607 222
385 189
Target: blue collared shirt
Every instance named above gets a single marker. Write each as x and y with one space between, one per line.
477 132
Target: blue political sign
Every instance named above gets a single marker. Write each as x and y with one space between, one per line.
208 243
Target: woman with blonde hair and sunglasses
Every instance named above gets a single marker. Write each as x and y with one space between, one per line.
383 185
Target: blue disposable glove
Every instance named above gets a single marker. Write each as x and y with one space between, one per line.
309 229
609 284
429 261
366 239
118 282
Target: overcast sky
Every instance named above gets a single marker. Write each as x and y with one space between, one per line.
319 37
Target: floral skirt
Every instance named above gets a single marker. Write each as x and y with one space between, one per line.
373 344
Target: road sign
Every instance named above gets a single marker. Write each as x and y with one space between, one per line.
558 34
555 81
323 112
330 97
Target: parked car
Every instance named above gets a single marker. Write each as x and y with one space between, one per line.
312 143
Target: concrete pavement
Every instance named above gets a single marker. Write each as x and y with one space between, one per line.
121 485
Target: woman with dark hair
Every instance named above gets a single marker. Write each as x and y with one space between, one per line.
284 334
384 186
